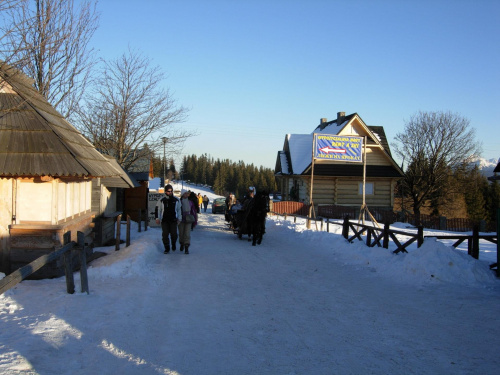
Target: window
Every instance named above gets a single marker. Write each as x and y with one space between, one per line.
368 188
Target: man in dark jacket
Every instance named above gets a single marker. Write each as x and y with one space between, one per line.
168 211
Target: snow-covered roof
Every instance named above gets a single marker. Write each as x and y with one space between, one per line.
332 128
300 146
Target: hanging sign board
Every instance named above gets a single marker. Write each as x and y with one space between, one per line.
338 148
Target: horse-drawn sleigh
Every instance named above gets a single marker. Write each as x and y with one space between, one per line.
249 217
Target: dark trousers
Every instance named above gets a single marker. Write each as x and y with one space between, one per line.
169 228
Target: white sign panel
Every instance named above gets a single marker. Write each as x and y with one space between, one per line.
152 200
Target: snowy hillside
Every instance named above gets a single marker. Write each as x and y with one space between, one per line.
303 302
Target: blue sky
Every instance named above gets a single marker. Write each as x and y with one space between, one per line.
253 71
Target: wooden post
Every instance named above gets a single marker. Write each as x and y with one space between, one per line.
328 225
369 237
68 265
420 235
345 228
498 243
84 281
475 242
127 243
385 243
118 227
146 220
140 220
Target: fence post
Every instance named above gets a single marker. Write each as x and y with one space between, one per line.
420 235
127 243
498 244
328 225
118 232
146 220
385 242
368 238
475 242
345 228
84 281
68 265
140 224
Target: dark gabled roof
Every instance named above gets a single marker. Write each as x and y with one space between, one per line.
497 168
140 176
36 140
125 180
380 134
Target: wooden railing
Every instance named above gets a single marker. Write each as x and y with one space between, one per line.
22 273
381 236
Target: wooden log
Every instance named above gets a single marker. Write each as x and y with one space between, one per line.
68 266
345 228
420 235
475 242
127 241
385 243
118 232
84 281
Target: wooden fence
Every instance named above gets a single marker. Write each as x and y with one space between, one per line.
380 236
291 208
24 272
384 215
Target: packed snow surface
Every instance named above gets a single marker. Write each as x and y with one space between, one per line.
302 302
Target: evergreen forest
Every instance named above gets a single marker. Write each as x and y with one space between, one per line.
223 176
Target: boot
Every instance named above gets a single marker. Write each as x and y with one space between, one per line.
173 246
182 247
167 249
187 249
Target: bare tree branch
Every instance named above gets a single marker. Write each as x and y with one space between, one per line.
48 40
434 144
129 108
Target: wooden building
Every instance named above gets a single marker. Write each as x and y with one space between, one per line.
108 202
496 173
46 173
338 183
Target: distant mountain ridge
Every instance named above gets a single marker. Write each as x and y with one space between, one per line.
486 166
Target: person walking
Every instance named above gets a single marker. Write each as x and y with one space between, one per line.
205 203
200 202
189 221
168 211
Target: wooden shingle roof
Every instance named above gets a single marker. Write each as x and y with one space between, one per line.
36 140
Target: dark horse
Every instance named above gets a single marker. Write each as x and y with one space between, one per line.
256 217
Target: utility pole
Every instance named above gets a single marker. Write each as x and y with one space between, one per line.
164 139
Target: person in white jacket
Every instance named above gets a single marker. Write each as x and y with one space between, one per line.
168 211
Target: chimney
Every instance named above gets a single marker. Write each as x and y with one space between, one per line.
340 118
322 123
